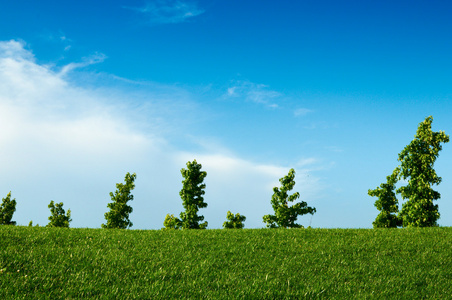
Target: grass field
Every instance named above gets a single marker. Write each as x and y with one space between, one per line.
39 263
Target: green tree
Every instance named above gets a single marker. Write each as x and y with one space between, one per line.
58 217
417 160
387 203
234 221
285 216
171 222
192 196
7 210
118 216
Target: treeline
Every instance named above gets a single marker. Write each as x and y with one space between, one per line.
192 192
416 168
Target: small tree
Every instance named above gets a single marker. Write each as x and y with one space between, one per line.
285 216
58 217
386 203
7 210
171 222
118 216
417 160
234 221
192 196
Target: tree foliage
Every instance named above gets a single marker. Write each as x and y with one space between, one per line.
7 210
192 196
417 160
386 203
171 222
285 216
416 167
118 216
58 217
234 221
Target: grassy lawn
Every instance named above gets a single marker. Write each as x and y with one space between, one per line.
38 263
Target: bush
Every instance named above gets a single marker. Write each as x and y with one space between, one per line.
7 210
58 217
234 221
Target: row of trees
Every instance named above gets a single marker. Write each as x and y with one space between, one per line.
416 168
58 217
192 200
192 192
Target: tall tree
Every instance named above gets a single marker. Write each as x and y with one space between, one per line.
285 216
7 210
192 196
58 217
387 203
416 167
118 216
417 161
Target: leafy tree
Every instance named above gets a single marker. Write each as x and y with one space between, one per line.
234 221
417 160
192 196
58 217
118 216
285 216
171 222
7 210
387 203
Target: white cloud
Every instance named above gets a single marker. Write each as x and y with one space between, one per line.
65 142
169 11
55 136
15 50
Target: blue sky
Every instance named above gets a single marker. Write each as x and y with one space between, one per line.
334 89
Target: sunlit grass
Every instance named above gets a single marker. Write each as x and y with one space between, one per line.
38 263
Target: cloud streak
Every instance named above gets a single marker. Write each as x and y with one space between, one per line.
300 112
169 11
253 92
86 61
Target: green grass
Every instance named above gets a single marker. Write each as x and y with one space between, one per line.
39 263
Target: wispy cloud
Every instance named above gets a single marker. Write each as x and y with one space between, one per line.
307 162
334 149
299 112
57 37
169 11
67 41
253 92
86 61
